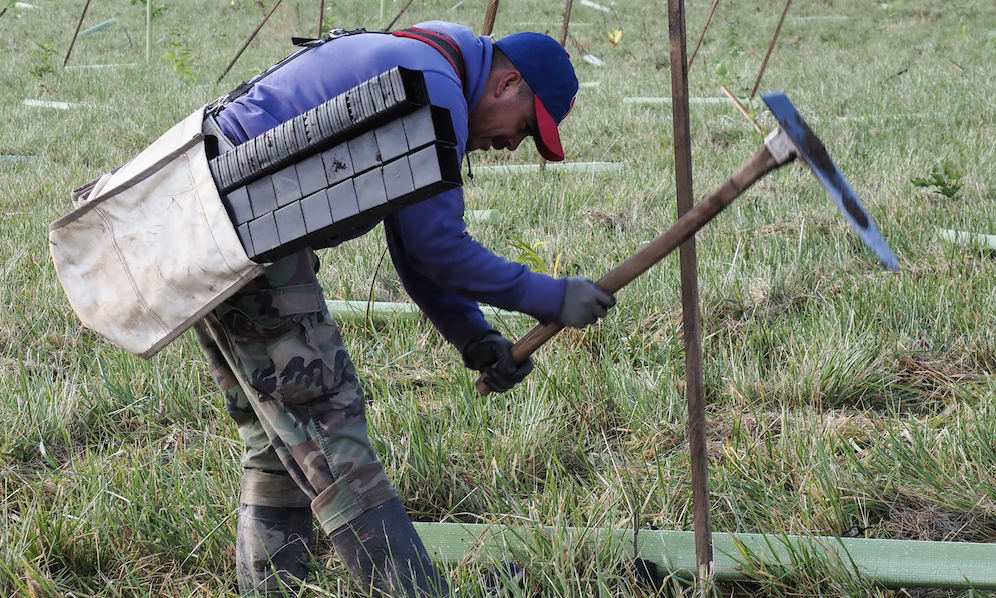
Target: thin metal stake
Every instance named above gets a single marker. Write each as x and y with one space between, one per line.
248 41
75 33
771 47
691 319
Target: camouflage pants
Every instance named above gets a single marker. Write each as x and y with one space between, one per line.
292 390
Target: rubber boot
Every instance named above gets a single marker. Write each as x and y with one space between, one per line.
385 556
271 550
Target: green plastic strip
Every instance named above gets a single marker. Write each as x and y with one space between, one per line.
483 216
655 100
568 167
384 310
960 237
97 28
889 563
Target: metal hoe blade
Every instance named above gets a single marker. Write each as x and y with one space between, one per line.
812 151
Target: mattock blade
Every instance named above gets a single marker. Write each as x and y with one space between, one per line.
811 150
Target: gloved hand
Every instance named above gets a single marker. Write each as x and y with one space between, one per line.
490 355
584 303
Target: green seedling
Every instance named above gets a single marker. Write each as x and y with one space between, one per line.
157 11
945 179
42 60
329 23
528 255
733 39
180 54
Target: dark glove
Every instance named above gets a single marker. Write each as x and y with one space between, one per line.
584 303
490 355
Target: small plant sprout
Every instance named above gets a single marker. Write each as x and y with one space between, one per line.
157 11
181 55
945 179
329 22
530 257
733 39
41 59
615 37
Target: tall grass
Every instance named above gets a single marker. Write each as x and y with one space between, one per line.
841 397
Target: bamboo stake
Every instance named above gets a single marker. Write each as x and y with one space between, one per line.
489 17
251 37
398 16
75 33
741 108
691 319
771 47
701 35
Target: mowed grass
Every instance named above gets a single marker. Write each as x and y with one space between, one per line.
839 394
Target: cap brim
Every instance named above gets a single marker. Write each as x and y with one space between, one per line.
547 137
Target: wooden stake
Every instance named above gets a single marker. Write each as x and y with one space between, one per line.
701 35
691 319
321 17
398 16
489 17
75 33
249 39
771 47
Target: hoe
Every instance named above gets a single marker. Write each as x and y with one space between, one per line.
792 139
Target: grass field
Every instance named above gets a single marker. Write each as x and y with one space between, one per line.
839 394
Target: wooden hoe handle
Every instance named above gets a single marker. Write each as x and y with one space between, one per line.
761 163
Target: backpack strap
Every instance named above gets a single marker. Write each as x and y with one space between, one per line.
443 44
304 43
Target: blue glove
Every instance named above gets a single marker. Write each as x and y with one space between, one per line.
491 356
584 303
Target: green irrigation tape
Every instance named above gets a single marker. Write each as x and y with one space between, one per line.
960 237
889 563
584 167
652 101
384 310
96 28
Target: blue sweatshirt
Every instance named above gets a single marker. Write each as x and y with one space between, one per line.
444 270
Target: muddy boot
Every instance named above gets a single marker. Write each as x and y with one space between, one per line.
271 550
385 556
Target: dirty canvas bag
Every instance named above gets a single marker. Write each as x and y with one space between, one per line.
150 249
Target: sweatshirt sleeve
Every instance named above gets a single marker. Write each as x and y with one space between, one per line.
447 272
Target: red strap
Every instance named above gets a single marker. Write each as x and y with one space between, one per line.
440 42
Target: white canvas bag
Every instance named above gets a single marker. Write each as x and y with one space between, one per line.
150 249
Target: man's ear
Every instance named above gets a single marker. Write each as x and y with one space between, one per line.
508 82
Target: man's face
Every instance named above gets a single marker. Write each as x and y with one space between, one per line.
503 117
